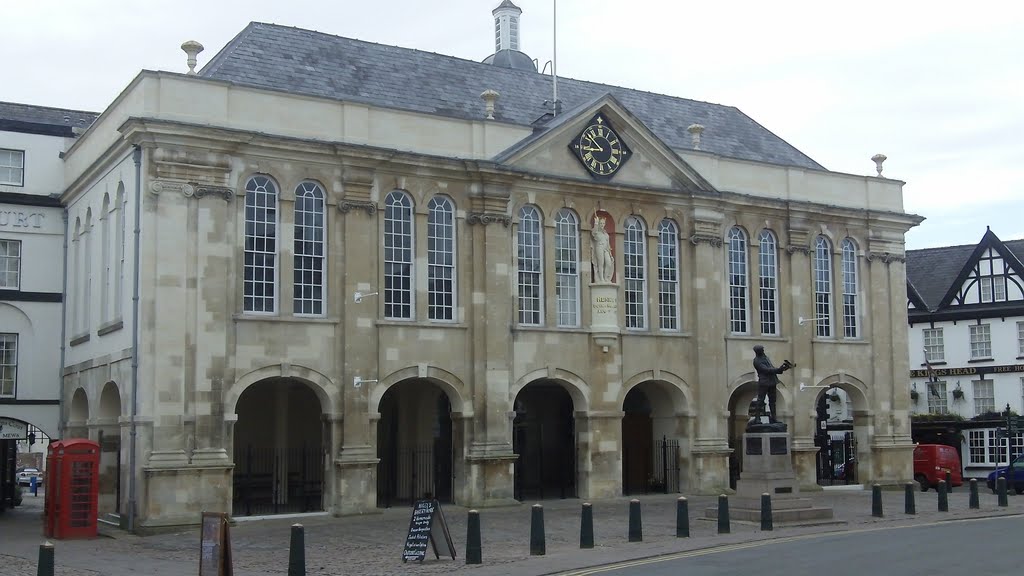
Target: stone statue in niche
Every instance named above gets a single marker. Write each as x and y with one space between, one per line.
601 252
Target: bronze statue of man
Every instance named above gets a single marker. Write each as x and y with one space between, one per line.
767 381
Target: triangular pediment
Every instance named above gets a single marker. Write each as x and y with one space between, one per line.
646 161
991 275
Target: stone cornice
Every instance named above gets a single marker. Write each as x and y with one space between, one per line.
346 206
190 189
486 218
885 257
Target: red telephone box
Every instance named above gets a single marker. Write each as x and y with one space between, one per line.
72 488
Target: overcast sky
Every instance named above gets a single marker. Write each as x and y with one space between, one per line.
938 87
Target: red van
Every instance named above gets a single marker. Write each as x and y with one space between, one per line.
932 461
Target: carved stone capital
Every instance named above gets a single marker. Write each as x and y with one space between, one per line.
486 218
885 257
793 248
346 206
190 189
202 190
715 241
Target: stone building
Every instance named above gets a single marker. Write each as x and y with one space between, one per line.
364 274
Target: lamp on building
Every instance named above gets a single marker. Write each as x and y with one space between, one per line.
806 387
817 320
358 382
358 296
31 438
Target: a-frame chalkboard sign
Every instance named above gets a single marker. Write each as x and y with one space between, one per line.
427 525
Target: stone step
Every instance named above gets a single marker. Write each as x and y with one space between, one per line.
791 515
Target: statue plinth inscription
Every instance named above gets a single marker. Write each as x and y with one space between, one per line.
604 306
604 293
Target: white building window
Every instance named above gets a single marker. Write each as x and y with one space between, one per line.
567 269
635 271
105 258
398 256
993 288
738 304
530 265
986 449
851 311
10 264
977 451
984 397
823 287
75 278
260 290
87 280
997 447
981 341
12 167
121 238
513 30
934 348
768 271
668 275
1020 339
309 256
440 259
937 402
8 365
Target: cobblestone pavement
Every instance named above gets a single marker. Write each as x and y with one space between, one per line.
372 544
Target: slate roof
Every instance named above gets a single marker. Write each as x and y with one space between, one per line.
931 271
57 121
316 64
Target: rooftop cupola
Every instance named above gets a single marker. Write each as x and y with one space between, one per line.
506 39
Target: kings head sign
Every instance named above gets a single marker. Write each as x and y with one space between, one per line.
13 429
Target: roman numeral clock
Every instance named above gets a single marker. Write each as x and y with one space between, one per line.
600 149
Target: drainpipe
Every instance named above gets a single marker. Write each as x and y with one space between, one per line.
137 158
63 327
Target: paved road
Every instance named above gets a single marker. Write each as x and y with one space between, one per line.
987 546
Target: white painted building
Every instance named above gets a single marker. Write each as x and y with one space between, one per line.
966 313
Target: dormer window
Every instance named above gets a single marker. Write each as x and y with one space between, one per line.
993 289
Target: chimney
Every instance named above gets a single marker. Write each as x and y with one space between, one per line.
490 97
695 131
878 159
192 48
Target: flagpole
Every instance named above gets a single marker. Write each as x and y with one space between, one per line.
554 59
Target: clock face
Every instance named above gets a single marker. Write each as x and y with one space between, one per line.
600 149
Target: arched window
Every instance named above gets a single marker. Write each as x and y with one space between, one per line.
441 259
530 263
635 272
823 287
260 278
309 257
105 258
398 256
567 273
738 300
851 309
87 280
120 205
76 279
769 282
668 275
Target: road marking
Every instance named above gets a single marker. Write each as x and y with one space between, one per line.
759 543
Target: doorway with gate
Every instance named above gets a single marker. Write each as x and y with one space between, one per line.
544 438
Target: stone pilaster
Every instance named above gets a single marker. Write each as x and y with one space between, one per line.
798 277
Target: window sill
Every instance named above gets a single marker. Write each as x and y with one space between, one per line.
112 326
977 360
768 337
286 319
422 324
657 333
80 339
942 363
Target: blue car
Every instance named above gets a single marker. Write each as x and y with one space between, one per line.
1015 479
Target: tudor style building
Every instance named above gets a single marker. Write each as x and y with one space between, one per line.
966 312
365 273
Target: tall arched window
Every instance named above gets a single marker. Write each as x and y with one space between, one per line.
530 263
260 278
851 309
105 258
398 256
635 272
567 272
739 304
87 281
120 205
668 275
76 279
441 259
309 257
769 282
823 287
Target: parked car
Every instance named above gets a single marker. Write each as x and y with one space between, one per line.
932 462
24 476
1015 481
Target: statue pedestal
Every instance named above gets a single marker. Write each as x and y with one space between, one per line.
604 314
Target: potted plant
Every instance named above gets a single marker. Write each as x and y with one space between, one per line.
914 395
958 394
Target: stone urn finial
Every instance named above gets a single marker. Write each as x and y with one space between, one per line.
490 97
695 131
192 48
878 159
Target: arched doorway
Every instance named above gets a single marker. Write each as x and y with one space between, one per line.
835 437
650 446
278 449
109 438
739 415
78 415
544 438
414 444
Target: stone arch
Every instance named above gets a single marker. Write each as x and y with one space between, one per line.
853 386
450 383
110 404
785 390
573 384
677 388
324 388
79 412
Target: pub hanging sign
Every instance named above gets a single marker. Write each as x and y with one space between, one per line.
968 371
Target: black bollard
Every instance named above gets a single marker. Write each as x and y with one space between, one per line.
587 526
908 499
473 548
636 530
949 482
537 546
723 514
766 512
682 518
974 504
943 497
1001 491
876 501
297 552
45 567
